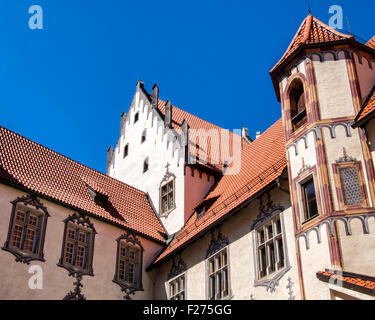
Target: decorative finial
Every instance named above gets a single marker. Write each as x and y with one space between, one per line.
308 4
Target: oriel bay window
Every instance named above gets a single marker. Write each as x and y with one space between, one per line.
218 276
270 248
78 245
27 229
128 272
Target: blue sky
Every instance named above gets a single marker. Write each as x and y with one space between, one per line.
66 86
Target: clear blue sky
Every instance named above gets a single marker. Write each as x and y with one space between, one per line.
66 86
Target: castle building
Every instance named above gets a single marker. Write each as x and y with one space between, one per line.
189 210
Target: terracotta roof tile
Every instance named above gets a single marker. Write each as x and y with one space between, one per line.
262 162
39 169
368 106
352 281
205 152
312 31
371 43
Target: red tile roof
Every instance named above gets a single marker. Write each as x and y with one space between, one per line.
312 31
262 162
213 161
367 109
34 167
371 43
349 280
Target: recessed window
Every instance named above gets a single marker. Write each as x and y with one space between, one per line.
218 276
126 150
176 288
27 229
270 248
310 205
136 117
167 197
143 138
145 165
297 105
78 243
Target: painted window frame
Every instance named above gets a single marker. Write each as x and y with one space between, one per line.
28 204
311 174
130 241
271 281
174 279
266 244
208 274
79 223
340 188
161 196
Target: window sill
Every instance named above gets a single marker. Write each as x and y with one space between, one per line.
310 219
22 256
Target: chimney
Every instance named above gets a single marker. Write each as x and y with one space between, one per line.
168 114
123 120
155 96
245 135
257 134
140 85
109 158
185 139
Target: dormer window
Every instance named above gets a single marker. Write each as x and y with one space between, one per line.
136 117
143 139
297 105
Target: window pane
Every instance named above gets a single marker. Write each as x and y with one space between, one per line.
122 268
17 234
263 261
71 234
269 232
20 216
29 240
278 226
33 220
281 252
261 236
350 186
272 257
69 252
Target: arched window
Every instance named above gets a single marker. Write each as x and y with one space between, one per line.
297 105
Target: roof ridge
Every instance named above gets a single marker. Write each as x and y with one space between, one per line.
322 24
75 161
300 38
208 122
